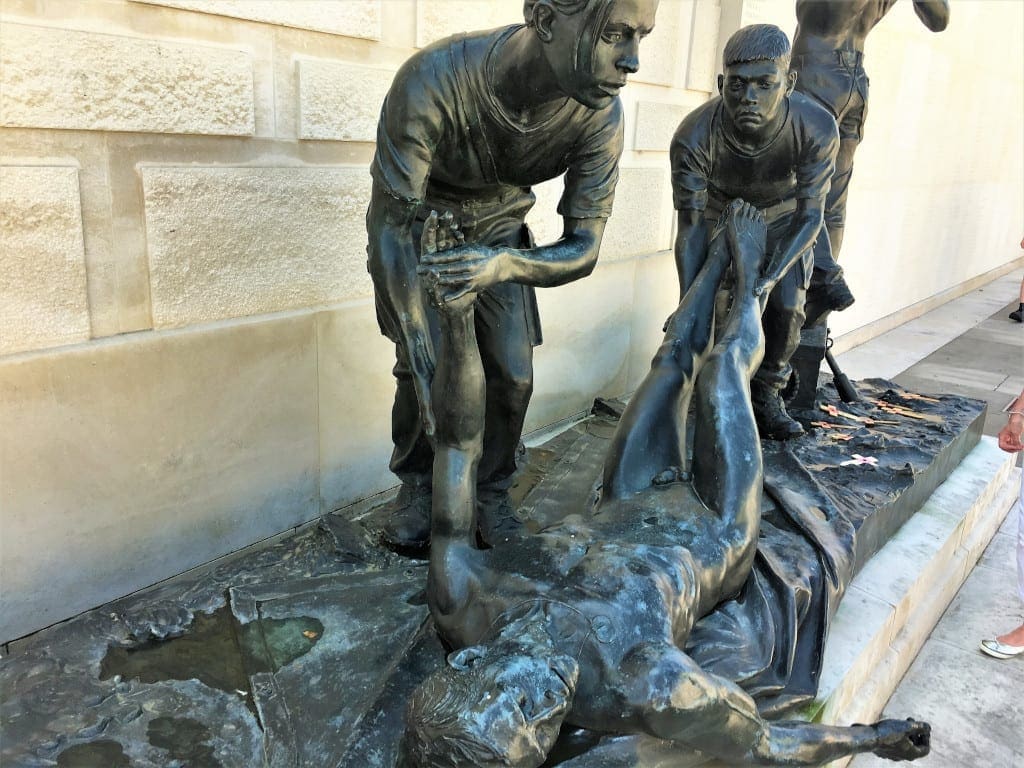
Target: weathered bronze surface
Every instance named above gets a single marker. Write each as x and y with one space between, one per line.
469 125
666 611
66 700
760 141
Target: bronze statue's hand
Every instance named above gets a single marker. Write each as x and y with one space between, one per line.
465 270
902 739
440 233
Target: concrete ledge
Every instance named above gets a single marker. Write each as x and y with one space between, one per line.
894 603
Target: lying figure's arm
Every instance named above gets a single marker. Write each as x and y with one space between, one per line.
674 699
473 268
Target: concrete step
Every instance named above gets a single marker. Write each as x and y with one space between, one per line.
893 604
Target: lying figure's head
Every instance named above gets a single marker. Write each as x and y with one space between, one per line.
756 79
494 705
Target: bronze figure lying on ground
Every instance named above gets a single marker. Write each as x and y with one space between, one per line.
587 623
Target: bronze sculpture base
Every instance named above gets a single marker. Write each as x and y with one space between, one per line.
307 650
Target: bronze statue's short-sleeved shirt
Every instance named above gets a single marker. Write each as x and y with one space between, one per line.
796 164
443 135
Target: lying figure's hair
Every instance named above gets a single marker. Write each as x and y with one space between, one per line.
757 42
438 731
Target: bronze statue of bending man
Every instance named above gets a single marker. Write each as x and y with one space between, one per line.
469 125
585 622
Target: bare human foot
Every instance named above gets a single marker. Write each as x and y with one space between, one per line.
747 234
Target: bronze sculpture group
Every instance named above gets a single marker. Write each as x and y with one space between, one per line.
597 622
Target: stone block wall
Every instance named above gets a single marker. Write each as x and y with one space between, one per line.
189 356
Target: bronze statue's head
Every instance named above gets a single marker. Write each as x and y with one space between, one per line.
494 705
591 45
756 80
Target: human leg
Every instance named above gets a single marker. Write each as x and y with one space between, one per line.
727 468
1012 643
507 357
650 436
783 318
412 457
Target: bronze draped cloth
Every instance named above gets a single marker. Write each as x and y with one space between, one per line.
770 639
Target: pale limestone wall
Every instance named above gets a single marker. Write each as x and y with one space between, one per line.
189 356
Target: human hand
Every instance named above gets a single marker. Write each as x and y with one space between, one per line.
902 739
1010 435
441 235
458 273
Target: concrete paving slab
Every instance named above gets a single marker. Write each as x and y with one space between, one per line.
975 715
1002 551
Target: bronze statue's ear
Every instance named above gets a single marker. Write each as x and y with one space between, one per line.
721 82
543 18
464 659
790 82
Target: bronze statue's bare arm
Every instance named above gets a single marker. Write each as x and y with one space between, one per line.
807 221
472 268
679 701
691 247
933 13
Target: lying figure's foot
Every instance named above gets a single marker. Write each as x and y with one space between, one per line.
747 235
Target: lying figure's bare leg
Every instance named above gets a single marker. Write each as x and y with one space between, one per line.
727 468
650 438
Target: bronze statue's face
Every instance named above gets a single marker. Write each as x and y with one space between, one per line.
520 703
754 94
592 52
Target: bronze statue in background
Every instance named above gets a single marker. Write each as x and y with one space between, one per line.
587 623
828 57
776 149
468 126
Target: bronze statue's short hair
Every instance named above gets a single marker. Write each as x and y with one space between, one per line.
438 733
757 42
565 7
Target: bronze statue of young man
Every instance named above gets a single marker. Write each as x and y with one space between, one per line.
828 57
469 125
586 623
776 149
